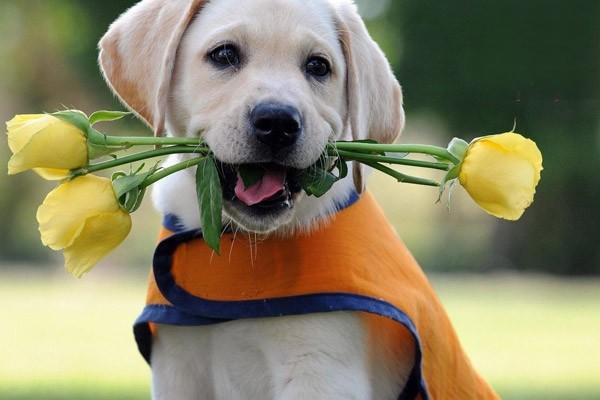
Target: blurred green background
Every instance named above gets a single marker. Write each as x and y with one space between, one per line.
525 296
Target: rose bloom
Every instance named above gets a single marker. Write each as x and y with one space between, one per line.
46 144
501 173
84 219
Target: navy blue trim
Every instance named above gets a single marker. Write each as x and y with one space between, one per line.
173 223
192 310
352 199
166 315
169 315
143 339
415 383
189 310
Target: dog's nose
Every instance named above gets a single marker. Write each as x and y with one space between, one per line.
276 125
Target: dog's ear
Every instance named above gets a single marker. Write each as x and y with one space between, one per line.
375 109
138 53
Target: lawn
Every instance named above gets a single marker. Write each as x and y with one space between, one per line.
532 337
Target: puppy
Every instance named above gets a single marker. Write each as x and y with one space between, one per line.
265 82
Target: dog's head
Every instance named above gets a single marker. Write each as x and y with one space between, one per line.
266 83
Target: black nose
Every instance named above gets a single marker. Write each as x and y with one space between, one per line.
276 125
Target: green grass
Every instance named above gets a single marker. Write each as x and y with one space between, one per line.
532 337
70 339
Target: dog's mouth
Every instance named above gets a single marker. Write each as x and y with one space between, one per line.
261 189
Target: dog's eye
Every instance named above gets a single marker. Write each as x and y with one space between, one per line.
318 67
225 56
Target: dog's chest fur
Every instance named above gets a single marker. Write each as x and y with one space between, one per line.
319 356
340 355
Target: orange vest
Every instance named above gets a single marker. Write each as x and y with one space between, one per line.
356 263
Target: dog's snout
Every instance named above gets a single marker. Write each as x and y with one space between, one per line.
276 125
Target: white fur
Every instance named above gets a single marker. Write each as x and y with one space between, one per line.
313 357
321 356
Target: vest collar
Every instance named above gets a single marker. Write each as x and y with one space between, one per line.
356 263
173 223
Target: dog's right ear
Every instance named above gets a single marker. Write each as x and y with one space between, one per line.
138 53
374 95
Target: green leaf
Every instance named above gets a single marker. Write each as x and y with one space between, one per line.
130 189
98 151
135 199
75 117
453 173
124 184
117 175
107 116
251 174
317 181
210 200
98 147
450 177
319 178
342 167
458 148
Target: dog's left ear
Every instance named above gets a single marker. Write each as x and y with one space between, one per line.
138 53
375 109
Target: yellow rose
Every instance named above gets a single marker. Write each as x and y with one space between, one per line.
46 144
83 218
501 173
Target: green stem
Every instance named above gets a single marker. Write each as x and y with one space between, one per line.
100 139
389 160
366 153
396 148
165 151
402 177
163 173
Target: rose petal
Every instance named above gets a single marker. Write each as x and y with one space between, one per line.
101 234
65 210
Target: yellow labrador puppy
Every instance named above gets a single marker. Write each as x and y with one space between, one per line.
267 82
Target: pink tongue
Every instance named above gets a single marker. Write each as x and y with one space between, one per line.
272 183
